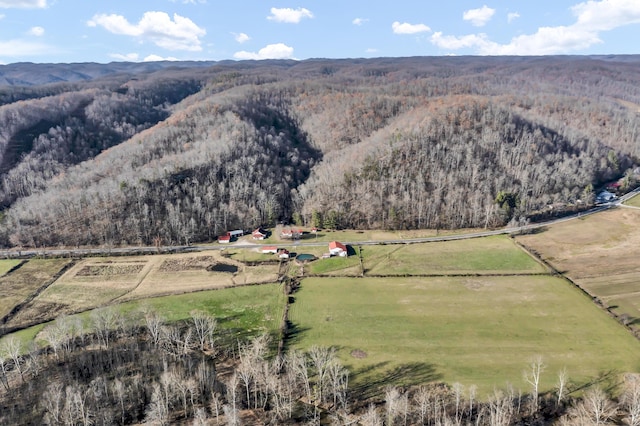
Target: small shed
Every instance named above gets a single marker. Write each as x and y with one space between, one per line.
338 249
224 239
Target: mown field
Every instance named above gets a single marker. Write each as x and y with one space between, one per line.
472 330
490 255
600 254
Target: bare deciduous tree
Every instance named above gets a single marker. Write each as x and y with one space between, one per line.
631 399
532 376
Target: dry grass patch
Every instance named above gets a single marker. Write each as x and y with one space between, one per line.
599 253
8 264
182 273
25 281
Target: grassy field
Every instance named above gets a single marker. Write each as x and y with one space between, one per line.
599 253
7 264
245 310
634 201
472 330
25 281
240 311
497 254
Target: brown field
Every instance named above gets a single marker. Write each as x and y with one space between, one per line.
26 280
95 282
600 254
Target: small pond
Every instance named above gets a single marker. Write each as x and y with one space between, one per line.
305 256
223 267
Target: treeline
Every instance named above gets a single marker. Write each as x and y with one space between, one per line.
116 368
184 155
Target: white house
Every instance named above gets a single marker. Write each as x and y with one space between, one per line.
338 249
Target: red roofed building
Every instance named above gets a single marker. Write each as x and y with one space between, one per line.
269 249
337 249
259 234
224 239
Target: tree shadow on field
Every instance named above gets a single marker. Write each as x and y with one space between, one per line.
608 381
293 335
371 380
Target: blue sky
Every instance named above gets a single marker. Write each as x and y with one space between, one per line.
142 30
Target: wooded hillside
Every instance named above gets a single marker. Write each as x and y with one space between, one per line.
186 154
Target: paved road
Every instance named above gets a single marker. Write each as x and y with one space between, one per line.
121 251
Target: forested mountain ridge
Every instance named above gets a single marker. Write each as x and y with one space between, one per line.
185 154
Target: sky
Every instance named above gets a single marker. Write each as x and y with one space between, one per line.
65 31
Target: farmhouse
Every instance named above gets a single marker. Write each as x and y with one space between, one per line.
259 234
224 239
269 249
337 249
291 234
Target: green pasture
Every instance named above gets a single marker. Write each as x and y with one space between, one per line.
252 309
496 254
241 311
481 331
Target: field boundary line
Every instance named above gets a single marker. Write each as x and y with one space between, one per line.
595 299
14 268
4 320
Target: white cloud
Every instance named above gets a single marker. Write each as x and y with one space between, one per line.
36 31
134 57
156 58
23 4
241 37
606 15
512 16
288 15
592 18
371 50
1 16
128 57
178 34
454 43
406 28
359 21
479 17
271 51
